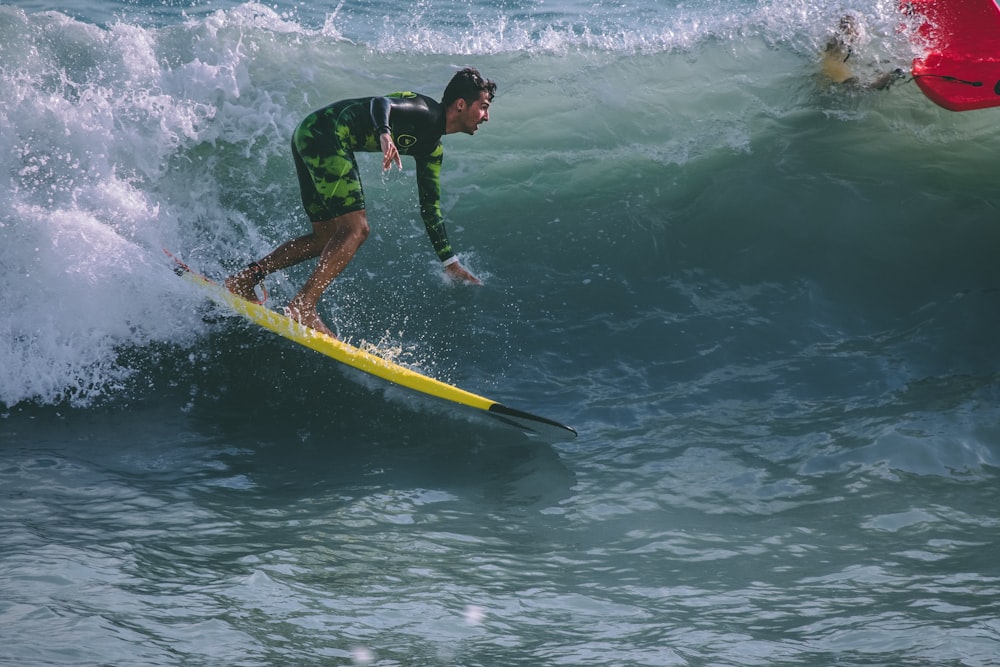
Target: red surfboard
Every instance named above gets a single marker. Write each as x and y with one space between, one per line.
961 69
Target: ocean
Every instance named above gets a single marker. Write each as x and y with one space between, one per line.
769 304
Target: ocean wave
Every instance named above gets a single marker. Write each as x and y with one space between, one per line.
714 149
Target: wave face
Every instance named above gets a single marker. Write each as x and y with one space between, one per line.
642 148
769 304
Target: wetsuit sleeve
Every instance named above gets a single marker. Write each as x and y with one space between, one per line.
380 107
429 189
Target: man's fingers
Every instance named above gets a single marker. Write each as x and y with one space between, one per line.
390 157
390 153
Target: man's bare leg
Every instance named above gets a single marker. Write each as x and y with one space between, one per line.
343 235
298 250
242 284
287 254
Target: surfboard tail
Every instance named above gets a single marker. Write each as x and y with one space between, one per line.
960 70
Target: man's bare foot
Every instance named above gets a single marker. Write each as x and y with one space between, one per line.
242 285
307 317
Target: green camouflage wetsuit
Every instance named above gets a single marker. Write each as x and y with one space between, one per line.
323 146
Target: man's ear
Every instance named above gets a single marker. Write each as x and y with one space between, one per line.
460 104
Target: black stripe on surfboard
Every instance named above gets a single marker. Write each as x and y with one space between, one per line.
530 422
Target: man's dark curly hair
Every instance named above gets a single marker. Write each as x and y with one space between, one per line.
467 84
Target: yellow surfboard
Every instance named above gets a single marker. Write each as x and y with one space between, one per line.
370 363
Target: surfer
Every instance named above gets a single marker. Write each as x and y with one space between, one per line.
840 48
323 147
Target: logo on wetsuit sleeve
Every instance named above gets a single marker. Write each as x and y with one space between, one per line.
406 141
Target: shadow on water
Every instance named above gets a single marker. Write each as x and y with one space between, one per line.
266 416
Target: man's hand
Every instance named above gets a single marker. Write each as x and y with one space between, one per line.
389 153
457 272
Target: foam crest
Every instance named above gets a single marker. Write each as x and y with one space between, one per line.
91 125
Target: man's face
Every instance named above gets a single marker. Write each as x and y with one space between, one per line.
471 116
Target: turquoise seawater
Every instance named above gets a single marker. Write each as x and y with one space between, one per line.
769 305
